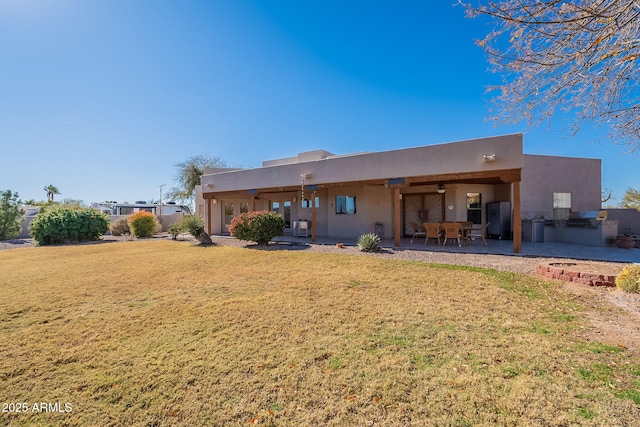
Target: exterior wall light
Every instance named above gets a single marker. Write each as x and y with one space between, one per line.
489 157
441 188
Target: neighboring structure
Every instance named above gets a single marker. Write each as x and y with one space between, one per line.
30 213
167 213
326 195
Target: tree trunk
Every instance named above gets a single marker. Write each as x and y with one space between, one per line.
204 239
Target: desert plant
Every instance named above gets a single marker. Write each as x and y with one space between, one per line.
143 224
10 214
369 242
194 225
175 229
64 225
120 226
259 227
629 279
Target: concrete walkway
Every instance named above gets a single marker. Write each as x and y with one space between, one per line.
498 247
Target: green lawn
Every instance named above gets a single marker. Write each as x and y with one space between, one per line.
156 333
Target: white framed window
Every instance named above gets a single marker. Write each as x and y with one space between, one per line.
561 206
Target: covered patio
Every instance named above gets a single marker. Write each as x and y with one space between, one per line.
350 195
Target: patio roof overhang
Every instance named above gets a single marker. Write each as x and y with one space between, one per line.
482 177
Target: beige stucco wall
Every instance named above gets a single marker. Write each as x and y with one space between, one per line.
544 175
373 204
165 220
628 219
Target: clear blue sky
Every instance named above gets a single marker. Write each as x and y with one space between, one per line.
103 97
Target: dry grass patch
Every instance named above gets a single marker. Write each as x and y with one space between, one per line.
165 333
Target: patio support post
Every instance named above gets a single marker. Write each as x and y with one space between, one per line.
253 204
517 219
209 216
396 216
313 217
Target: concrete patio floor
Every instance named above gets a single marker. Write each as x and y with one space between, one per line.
496 247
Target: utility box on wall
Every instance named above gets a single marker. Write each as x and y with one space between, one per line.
499 219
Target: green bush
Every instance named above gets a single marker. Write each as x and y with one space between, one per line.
193 224
175 229
120 226
629 279
143 224
63 225
10 215
259 227
369 242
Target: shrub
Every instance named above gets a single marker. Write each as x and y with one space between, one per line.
259 227
175 229
143 224
629 279
10 214
369 242
120 226
193 224
64 225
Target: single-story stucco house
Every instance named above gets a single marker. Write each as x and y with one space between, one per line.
320 194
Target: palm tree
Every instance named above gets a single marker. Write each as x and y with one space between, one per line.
51 190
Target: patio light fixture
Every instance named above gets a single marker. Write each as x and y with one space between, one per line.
489 157
441 188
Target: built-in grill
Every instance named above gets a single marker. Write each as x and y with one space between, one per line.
586 219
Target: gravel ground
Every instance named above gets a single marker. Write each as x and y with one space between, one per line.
16 243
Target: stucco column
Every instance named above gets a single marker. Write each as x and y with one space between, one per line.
517 218
313 217
209 216
396 216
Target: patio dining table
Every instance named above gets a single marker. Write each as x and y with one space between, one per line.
465 230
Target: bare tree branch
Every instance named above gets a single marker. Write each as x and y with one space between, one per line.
573 55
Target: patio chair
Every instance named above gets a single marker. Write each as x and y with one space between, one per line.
432 230
452 230
478 232
417 231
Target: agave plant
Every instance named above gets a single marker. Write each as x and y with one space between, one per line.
369 242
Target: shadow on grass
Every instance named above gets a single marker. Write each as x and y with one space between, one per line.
279 246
